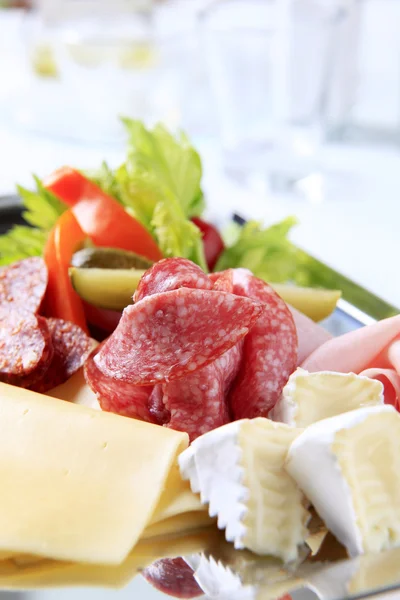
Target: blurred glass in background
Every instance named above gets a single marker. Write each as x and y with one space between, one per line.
268 80
82 64
364 92
269 63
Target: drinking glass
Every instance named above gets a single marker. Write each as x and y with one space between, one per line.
268 63
364 99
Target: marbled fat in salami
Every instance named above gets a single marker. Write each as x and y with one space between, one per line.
26 348
119 397
174 577
171 274
23 284
71 348
198 402
169 335
269 351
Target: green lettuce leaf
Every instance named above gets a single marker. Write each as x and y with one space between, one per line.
41 211
176 235
160 164
268 252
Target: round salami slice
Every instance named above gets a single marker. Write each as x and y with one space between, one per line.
117 396
26 349
174 577
222 281
23 284
166 336
71 348
171 274
198 402
269 352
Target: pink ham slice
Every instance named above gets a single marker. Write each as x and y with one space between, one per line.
373 351
310 335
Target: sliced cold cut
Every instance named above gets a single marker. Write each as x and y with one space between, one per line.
222 281
269 351
26 348
174 577
118 397
71 347
171 274
23 284
198 402
310 335
166 336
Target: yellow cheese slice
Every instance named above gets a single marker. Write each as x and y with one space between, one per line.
78 484
76 390
177 498
51 573
179 524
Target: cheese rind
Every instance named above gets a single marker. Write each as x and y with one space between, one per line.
310 397
78 484
239 471
357 491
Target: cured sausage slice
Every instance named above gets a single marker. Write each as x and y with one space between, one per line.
171 274
269 351
71 348
117 396
222 281
23 284
198 402
26 349
169 335
174 577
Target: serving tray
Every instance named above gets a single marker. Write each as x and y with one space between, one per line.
328 576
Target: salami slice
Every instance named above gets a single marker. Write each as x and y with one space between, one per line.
117 396
222 281
174 577
269 352
198 402
171 274
23 284
71 348
166 336
26 350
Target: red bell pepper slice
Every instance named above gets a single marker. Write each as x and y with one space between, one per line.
101 217
61 299
212 241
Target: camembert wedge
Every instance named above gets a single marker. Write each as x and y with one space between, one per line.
310 397
239 471
348 467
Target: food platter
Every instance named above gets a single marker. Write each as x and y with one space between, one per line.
230 574
160 376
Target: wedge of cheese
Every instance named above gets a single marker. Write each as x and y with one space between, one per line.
239 472
348 467
310 397
79 484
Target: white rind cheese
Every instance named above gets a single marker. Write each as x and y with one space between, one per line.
348 467
239 472
310 397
